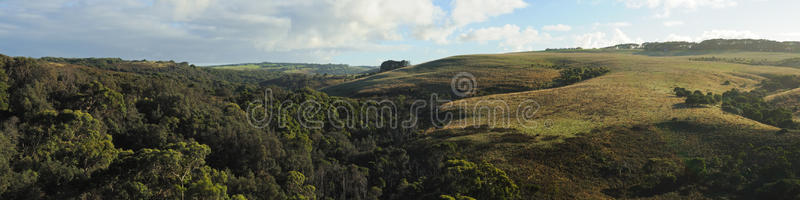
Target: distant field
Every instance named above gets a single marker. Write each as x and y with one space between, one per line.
299 68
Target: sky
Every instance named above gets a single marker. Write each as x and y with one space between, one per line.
367 32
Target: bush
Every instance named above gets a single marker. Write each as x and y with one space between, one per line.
753 106
697 97
681 92
577 74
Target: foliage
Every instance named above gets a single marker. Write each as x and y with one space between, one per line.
480 181
777 83
577 74
726 44
3 88
788 62
115 129
697 97
391 65
753 106
747 104
667 46
681 92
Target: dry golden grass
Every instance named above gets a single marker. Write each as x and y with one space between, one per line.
637 91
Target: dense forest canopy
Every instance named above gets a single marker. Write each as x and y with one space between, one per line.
115 129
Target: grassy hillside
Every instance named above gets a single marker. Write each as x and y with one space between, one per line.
495 74
300 68
594 139
636 93
638 89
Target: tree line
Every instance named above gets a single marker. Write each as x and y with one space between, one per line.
788 62
725 44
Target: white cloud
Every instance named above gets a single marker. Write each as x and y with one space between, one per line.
438 34
512 36
212 30
665 7
231 30
557 27
467 12
602 39
470 11
673 23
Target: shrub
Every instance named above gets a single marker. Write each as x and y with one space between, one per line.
697 97
681 92
577 74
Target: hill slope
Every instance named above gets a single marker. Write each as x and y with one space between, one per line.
583 136
495 74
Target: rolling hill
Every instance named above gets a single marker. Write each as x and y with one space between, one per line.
496 74
598 138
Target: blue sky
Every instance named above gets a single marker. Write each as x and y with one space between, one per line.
366 32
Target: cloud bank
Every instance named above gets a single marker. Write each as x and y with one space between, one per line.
214 31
